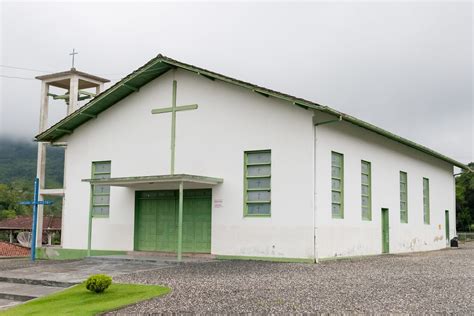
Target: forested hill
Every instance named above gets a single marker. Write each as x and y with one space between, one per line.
18 171
18 162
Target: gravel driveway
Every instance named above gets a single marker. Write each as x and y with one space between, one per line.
431 282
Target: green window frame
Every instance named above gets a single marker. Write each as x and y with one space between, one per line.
100 197
366 190
426 201
257 183
337 185
403 197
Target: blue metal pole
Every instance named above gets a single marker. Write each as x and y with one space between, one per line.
35 219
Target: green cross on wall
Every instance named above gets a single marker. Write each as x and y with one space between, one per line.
173 109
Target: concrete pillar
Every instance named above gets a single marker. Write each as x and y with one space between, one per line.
41 165
61 239
89 227
11 236
180 222
39 225
41 174
44 109
73 94
99 88
50 237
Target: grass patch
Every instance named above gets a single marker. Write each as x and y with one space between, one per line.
77 300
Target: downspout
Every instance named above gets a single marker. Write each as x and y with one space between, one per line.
316 259
454 210
454 214
315 200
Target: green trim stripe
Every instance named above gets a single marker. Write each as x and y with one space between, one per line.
67 254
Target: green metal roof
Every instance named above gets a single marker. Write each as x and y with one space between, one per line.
161 64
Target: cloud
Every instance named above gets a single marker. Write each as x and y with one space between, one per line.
406 66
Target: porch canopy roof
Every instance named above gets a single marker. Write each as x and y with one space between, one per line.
168 180
165 179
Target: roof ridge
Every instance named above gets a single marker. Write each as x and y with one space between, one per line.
141 77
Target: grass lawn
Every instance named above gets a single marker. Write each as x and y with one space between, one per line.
77 300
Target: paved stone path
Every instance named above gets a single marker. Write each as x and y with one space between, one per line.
22 280
79 270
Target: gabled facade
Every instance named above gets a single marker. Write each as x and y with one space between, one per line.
175 158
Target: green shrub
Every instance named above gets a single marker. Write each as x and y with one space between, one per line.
98 283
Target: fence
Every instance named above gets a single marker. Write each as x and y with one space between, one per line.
465 237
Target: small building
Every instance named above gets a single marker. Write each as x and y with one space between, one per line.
13 226
177 158
13 250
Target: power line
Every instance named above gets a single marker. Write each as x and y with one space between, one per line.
22 68
50 71
14 77
46 71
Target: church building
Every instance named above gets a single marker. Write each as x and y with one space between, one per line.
174 158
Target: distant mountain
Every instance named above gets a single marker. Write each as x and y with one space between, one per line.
18 162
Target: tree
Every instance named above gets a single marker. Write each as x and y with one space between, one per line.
10 197
465 200
12 194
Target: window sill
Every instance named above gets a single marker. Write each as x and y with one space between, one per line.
257 215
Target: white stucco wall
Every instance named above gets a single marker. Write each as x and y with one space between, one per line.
210 141
353 236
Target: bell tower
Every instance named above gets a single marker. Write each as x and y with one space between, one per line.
73 84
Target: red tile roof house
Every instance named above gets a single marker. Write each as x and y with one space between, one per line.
12 250
51 226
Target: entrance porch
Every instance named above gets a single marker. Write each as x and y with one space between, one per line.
172 212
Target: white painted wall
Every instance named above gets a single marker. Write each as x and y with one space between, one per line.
353 236
210 141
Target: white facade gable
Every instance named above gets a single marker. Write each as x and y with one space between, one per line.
211 141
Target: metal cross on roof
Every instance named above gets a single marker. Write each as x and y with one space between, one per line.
72 54
173 109
35 204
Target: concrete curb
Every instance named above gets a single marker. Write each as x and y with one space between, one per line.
37 282
16 297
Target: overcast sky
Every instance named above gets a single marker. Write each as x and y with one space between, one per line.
405 66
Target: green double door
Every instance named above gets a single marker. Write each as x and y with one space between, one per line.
156 221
